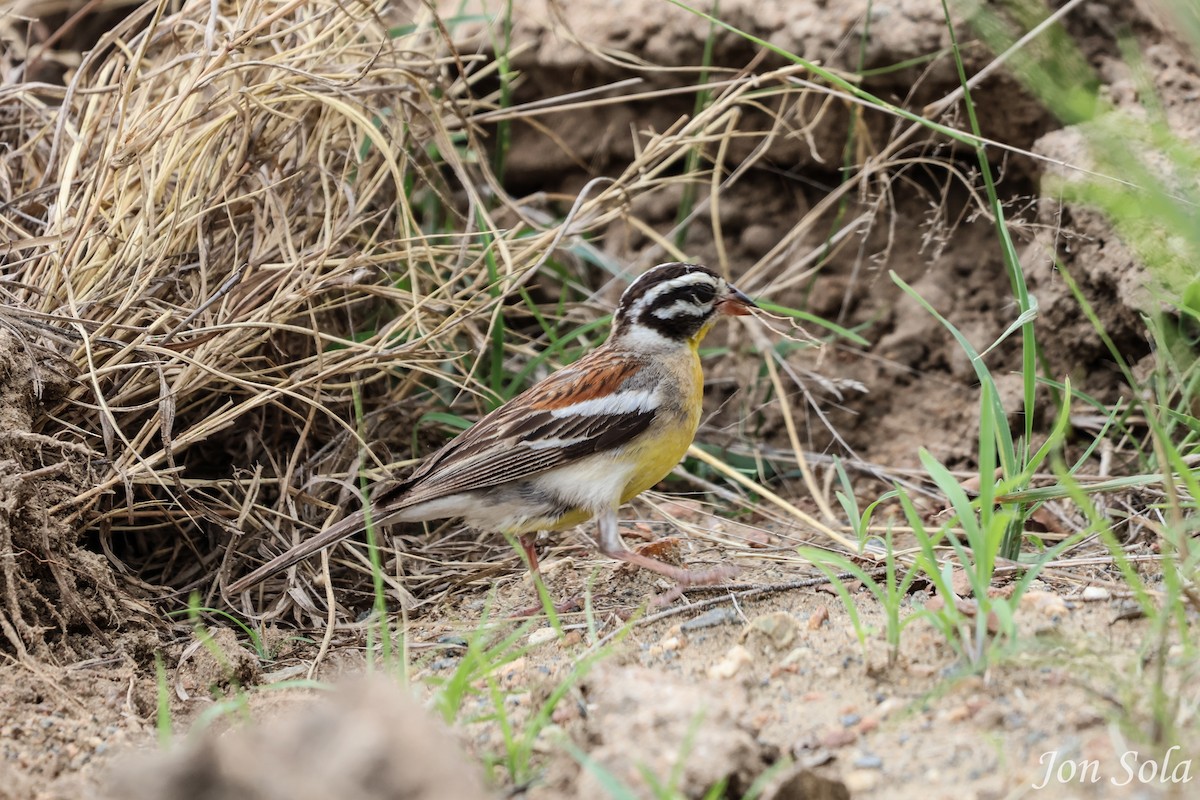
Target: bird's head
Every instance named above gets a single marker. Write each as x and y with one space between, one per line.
676 303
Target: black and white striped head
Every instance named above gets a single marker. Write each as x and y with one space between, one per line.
677 303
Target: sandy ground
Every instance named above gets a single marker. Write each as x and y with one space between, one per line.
723 686
752 687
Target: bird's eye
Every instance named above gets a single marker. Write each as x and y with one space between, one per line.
704 293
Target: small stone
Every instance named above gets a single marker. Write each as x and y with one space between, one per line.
818 618
868 761
818 758
777 630
886 707
718 616
542 636
868 724
861 781
734 660
793 657
1094 594
837 738
668 644
850 720
1129 610
1047 604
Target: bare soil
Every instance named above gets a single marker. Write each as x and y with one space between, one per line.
719 692
724 683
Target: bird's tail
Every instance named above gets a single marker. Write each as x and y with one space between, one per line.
335 533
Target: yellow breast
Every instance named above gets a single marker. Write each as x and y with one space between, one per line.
658 451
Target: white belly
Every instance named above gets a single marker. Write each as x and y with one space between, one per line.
592 484
595 483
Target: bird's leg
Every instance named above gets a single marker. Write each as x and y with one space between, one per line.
612 546
529 545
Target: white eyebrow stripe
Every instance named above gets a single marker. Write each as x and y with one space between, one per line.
690 309
667 286
619 403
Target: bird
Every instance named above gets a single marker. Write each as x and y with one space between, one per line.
578 444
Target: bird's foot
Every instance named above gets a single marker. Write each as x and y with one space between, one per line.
682 576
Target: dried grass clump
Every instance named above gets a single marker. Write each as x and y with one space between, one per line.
211 232
230 222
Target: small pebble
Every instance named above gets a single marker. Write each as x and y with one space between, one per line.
886 707
850 720
793 657
868 761
1047 604
818 618
542 636
833 739
817 759
734 660
718 616
1093 594
861 781
668 644
777 630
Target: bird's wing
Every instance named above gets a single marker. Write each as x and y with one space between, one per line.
593 406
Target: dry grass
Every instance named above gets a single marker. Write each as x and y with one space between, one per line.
234 218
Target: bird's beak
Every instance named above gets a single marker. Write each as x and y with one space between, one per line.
735 303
